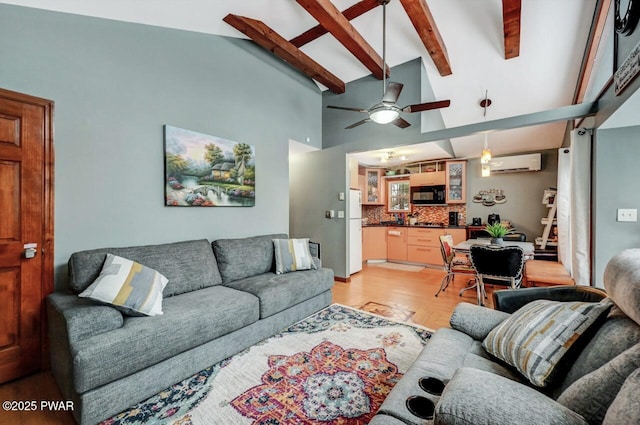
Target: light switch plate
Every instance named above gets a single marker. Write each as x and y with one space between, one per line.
340 214
341 196
627 214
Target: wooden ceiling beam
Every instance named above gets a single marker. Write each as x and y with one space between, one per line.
511 19
422 20
595 35
335 22
351 13
264 36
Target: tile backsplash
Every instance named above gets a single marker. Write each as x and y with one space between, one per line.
375 214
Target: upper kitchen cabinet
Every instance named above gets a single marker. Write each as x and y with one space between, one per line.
456 176
373 190
432 178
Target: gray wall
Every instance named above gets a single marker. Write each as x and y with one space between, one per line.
115 85
616 154
615 183
524 193
316 180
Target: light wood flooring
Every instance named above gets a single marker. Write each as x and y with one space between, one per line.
403 291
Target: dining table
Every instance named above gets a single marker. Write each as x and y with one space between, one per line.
465 246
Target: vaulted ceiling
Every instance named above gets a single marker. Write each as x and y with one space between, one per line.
526 54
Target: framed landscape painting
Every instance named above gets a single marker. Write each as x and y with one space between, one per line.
207 171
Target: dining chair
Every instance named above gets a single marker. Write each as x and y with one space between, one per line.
453 265
496 265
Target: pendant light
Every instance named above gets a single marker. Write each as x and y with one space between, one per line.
485 157
486 152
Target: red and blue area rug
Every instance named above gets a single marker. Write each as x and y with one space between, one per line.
334 367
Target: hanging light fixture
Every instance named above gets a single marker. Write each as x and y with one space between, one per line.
485 157
486 152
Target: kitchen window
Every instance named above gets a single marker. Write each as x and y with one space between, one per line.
398 195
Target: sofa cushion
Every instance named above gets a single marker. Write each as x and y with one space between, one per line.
277 292
240 258
537 337
292 255
617 334
189 320
591 395
622 281
625 409
188 265
477 397
132 288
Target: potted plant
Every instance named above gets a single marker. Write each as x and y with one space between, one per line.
497 232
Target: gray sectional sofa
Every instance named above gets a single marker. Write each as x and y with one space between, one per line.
221 298
599 386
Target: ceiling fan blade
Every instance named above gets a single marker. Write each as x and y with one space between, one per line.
348 109
364 121
400 123
427 106
392 93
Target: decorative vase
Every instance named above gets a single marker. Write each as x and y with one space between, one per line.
497 241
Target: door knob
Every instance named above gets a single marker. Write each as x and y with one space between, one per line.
30 250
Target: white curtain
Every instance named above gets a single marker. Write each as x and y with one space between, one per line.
574 200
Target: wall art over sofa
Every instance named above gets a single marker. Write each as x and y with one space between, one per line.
207 171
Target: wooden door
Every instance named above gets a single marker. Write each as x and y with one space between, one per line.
26 217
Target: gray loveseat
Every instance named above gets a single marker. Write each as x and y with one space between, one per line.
220 299
599 386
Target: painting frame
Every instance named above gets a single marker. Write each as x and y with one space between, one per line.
202 170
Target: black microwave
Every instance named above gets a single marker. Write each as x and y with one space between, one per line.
428 195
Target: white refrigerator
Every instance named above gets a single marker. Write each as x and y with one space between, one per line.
355 231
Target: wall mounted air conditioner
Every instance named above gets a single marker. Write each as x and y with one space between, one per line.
515 164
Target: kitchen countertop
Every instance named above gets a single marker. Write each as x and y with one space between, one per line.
423 226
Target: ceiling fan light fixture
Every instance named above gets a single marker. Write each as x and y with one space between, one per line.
384 116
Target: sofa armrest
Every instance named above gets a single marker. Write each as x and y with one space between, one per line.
510 300
475 321
83 318
475 396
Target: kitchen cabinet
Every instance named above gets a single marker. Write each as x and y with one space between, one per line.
456 176
373 190
424 246
433 178
396 243
374 243
353 174
458 235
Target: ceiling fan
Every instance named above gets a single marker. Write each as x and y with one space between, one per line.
387 111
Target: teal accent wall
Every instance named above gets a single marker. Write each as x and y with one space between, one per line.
115 85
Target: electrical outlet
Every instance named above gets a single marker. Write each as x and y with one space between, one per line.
627 214
341 196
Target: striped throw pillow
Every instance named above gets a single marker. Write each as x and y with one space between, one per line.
132 288
535 338
292 255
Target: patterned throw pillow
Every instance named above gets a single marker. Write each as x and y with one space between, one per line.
130 287
535 338
292 255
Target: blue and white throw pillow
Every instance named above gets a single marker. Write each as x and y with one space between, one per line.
129 286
